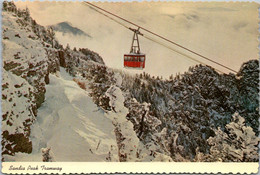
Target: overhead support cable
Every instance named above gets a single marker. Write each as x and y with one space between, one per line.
168 40
179 52
109 17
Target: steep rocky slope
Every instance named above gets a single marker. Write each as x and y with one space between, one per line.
30 54
26 65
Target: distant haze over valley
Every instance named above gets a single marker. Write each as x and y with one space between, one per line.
225 32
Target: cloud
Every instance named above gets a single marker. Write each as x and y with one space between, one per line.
225 32
192 17
240 25
172 16
219 9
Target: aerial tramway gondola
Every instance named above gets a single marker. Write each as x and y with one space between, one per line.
135 59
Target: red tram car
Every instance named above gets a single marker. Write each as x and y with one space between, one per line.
135 59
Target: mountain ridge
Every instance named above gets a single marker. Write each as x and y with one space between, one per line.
67 28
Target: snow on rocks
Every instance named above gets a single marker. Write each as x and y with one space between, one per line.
18 111
25 68
15 96
71 125
22 51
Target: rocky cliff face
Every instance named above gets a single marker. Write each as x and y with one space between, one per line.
30 54
27 62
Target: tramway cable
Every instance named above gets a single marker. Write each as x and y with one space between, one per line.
92 6
183 54
109 17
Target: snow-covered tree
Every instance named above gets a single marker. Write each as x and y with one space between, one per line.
51 34
27 16
239 144
46 157
9 6
249 93
67 47
145 123
101 79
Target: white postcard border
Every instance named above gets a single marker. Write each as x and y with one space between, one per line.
127 167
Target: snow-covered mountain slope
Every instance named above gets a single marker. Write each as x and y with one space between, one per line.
76 129
71 125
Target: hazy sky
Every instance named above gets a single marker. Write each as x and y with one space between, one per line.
225 32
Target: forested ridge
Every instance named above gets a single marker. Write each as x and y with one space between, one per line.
181 113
